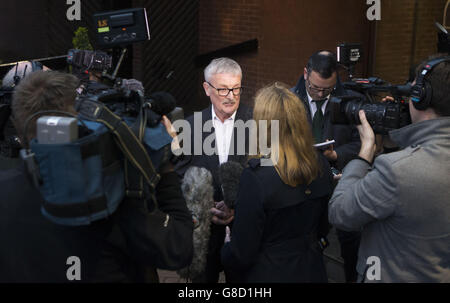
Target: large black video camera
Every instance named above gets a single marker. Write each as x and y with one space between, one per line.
382 116
128 103
125 98
89 60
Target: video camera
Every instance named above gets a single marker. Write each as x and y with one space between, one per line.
125 98
89 60
113 28
119 123
382 116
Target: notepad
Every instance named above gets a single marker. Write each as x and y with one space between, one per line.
324 144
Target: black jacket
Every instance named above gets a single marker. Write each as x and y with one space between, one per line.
347 144
276 226
211 162
126 247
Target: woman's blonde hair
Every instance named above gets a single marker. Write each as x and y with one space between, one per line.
295 157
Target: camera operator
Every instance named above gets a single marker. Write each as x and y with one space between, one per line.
401 200
319 82
125 247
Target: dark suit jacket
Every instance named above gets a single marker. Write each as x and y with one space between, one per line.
347 144
211 162
275 230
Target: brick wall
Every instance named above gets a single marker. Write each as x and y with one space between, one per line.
288 32
406 35
224 23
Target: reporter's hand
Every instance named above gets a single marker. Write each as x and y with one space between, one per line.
171 131
221 214
330 153
367 136
337 177
168 125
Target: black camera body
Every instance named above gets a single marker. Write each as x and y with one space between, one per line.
89 60
382 116
128 103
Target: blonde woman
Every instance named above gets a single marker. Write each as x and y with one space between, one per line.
281 209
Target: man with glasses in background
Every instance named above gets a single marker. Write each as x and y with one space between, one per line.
222 85
315 87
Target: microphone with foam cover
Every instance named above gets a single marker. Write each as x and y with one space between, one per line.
198 191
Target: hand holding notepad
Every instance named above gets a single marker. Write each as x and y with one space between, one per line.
324 145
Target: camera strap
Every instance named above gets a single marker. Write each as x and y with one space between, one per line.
134 180
130 144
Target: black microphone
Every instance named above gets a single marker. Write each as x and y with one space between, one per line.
157 105
229 175
198 191
162 103
403 90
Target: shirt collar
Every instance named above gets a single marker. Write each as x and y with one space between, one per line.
310 100
214 116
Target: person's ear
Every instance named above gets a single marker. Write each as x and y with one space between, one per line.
305 73
206 88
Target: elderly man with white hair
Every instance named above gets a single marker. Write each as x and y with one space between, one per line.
222 84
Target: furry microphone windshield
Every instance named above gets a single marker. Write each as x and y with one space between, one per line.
198 192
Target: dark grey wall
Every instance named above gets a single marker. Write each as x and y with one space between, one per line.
22 29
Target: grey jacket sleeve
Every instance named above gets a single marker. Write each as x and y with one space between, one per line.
363 195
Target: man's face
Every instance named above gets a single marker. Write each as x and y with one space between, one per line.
317 87
224 106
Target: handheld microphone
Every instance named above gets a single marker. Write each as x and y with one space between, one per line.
229 175
157 105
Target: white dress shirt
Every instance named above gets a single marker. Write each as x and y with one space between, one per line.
223 132
313 106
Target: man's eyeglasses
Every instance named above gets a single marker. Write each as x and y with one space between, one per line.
325 91
223 92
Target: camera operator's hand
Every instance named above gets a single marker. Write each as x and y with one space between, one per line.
367 136
221 214
387 98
